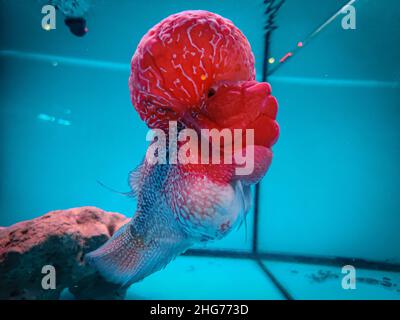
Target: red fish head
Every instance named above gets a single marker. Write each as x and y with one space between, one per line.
180 59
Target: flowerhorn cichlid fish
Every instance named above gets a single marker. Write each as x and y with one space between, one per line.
197 69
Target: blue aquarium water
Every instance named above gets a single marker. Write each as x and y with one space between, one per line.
331 196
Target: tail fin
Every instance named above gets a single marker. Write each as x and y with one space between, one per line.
128 257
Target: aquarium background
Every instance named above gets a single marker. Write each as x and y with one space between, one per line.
331 196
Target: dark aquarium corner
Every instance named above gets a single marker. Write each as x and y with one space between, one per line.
99 200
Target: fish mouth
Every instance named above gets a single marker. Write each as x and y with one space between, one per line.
262 110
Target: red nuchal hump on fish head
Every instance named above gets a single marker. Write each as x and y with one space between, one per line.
178 61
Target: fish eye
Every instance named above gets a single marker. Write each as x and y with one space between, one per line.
211 92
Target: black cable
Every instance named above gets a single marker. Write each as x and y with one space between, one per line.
272 9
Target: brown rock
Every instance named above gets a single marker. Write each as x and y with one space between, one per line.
61 239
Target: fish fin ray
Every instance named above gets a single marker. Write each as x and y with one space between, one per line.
134 179
130 194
